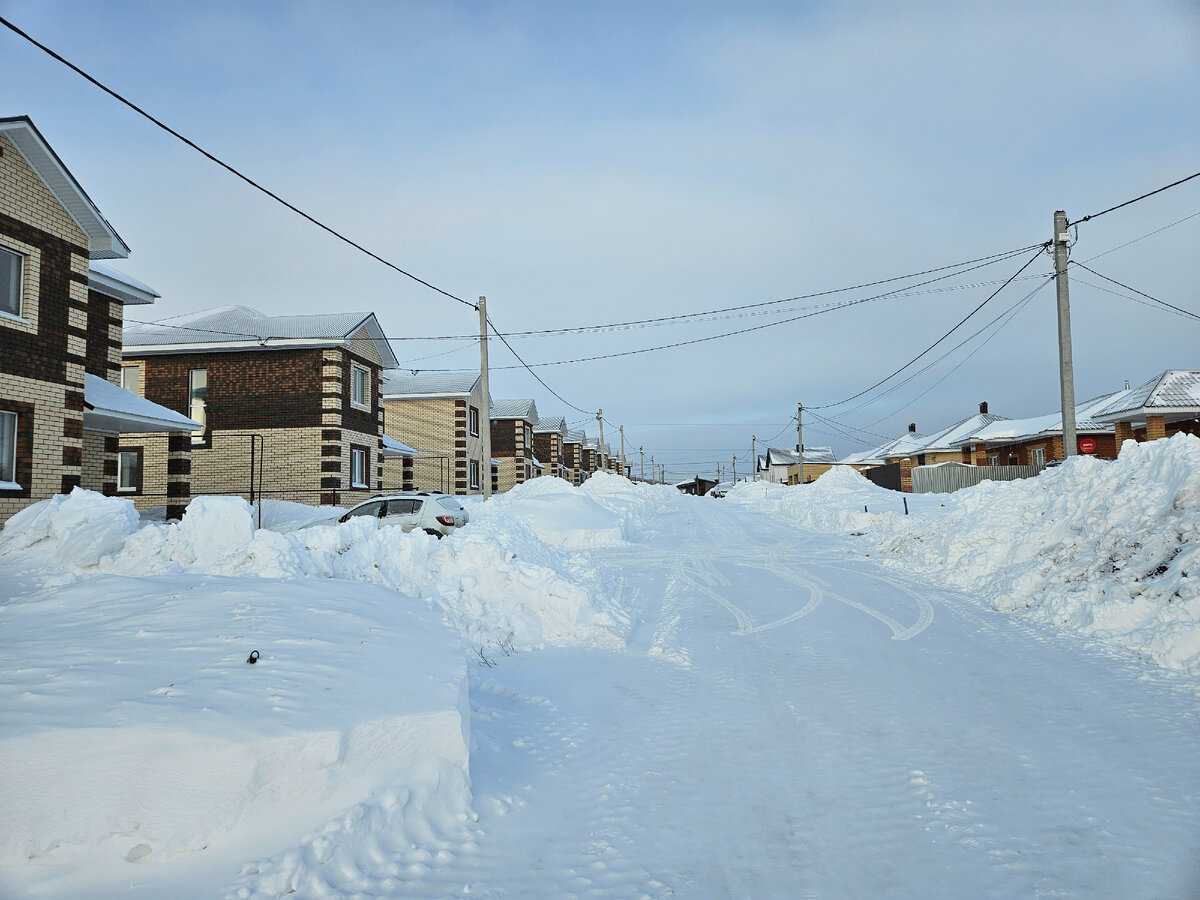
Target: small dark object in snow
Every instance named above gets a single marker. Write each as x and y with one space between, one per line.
253 657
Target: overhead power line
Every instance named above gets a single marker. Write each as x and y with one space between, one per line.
524 364
1165 187
1163 303
960 323
224 165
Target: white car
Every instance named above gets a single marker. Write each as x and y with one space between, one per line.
721 489
437 514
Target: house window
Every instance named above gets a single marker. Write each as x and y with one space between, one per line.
198 402
12 270
8 450
129 471
474 474
360 387
473 421
358 468
1039 456
131 379
993 460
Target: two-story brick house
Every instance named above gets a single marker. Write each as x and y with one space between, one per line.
440 415
290 405
512 441
61 406
548 435
573 456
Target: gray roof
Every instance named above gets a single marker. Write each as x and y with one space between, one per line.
900 446
243 328
437 384
575 437
785 456
1173 391
1007 431
514 409
552 423
955 436
103 240
121 287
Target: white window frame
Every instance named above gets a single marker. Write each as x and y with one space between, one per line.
130 489
1039 456
198 406
136 372
475 470
8 454
360 386
20 286
358 467
473 421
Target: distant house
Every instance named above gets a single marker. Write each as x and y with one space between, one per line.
548 436
1167 404
591 456
512 441
817 461
441 416
289 405
573 444
62 409
897 448
1039 440
952 444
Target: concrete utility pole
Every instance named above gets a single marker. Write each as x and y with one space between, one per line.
735 470
653 468
1066 366
485 414
642 469
754 457
800 437
622 451
600 452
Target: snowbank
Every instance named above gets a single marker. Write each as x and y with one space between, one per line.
1108 549
135 730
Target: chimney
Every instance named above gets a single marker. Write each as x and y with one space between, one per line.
983 408
912 427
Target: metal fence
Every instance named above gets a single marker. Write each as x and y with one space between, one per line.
885 476
949 477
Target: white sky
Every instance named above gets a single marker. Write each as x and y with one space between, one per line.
604 163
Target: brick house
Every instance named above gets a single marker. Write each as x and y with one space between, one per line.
512 441
440 416
61 322
1167 404
591 456
1039 440
573 443
548 435
290 405
948 445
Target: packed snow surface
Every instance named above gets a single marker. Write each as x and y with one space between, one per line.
613 691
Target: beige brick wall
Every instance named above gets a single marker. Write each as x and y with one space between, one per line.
49 402
92 474
23 192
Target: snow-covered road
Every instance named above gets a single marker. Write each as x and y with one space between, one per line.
790 720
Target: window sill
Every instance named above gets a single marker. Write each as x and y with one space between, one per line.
354 485
17 320
9 486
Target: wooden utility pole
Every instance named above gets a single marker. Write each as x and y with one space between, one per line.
1066 366
623 473
754 457
735 470
485 414
642 469
600 452
800 438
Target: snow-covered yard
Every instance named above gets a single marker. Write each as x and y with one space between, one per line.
614 691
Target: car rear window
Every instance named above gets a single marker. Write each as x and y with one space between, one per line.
450 503
402 507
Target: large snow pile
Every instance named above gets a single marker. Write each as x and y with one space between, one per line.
136 731
1108 549
496 581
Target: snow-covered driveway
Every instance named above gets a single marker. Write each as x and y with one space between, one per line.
790 720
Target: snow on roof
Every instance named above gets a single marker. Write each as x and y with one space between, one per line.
103 240
1172 391
392 448
551 423
514 409
243 328
1008 430
782 456
575 437
435 384
111 408
953 437
901 446
129 291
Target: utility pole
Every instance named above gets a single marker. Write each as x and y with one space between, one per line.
800 438
642 469
623 451
600 452
653 470
485 414
735 470
1066 366
754 456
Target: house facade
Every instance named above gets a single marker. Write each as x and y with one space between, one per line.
1166 405
1039 440
548 436
61 326
817 461
573 443
440 416
512 424
289 405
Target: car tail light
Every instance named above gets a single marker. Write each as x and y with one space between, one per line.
446 520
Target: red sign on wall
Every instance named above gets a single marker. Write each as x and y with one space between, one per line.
1087 445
